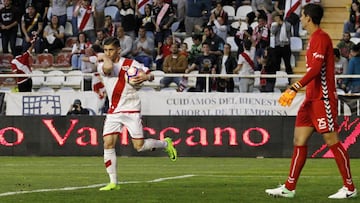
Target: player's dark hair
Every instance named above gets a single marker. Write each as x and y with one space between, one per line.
337 52
315 12
247 44
112 41
356 48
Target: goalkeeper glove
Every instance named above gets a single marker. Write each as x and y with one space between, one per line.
288 96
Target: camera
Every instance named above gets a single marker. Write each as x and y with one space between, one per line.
75 105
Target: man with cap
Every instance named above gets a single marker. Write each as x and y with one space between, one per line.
77 109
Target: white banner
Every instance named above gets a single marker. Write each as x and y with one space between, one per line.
216 104
50 103
158 104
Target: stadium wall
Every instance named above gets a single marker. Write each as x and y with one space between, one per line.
213 136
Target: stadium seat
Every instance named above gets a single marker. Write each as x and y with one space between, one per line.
296 44
282 80
230 11
242 11
189 42
63 60
5 60
231 41
69 42
54 79
69 13
38 81
68 30
45 89
44 60
355 40
192 80
112 11
72 80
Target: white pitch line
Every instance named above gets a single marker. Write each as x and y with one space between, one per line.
93 186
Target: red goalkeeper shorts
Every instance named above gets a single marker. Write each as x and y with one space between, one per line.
320 114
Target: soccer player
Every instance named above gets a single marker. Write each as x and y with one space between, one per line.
319 109
124 108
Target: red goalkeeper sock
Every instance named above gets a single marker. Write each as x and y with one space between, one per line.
343 163
297 163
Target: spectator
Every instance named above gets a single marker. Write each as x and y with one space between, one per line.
282 32
85 19
353 24
173 63
268 66
181 13
220 29
100 36
88 62
279 7
341 65
9 19
206 64
109 27
164 16
195 50
127 17
353 84
58 8
263 9
345 45
54 36
126 42
78 51
77 109
246 66
196 13
261 35
42 7
183 50
74 22
20 65
215 42
244 31
146 21
219 12
163 50
31 25
143 48
99 15
226 65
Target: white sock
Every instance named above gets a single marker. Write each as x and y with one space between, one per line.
110 164
150 144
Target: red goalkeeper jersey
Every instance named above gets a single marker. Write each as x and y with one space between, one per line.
320 66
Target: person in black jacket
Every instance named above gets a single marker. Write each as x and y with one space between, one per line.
226 65
77 109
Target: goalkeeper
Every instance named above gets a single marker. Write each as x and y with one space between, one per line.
318 112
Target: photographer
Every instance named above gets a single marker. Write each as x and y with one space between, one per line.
77 109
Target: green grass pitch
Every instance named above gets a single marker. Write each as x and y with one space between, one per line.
157 179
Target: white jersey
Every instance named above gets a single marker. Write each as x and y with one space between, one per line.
122 96
246 68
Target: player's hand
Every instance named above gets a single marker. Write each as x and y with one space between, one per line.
287 97
138 79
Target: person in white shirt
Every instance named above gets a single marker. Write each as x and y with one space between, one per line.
124 108
246 66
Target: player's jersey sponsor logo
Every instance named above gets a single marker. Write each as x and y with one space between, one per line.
321 123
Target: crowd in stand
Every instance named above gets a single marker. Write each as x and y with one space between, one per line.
146 32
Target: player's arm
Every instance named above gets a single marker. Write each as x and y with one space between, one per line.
107 65
318 48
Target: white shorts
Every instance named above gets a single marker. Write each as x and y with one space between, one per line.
114 124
